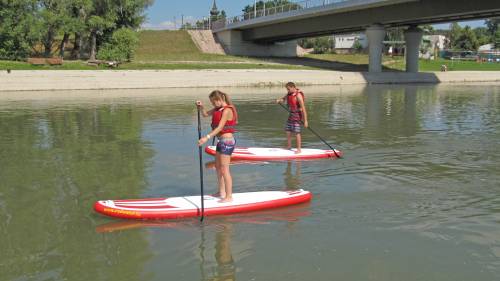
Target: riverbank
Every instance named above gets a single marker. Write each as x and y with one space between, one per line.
149 79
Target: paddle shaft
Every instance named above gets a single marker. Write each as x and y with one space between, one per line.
314 132
200 154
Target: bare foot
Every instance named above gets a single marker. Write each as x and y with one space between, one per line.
218 195
288 148
298 151
226 200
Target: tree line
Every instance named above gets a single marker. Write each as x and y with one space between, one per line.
94 28
470 39
459 38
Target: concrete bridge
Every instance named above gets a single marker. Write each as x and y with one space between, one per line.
273 31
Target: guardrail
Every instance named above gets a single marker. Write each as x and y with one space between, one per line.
270 11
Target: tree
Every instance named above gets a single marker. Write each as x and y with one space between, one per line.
27 24
121 47
467 40
483 36
493 25
130 13
320 45
102 17
80 10
187 26
428 29
357 46
395 34
454 33
222 15
19 28
201 24
53 15
496 39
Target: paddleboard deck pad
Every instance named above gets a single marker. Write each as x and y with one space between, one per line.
263 153
190 206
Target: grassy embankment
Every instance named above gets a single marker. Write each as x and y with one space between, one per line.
176 50
165 50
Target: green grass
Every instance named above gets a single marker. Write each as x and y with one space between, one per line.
68 65
435 65
397 63
163 45
80 65
357 59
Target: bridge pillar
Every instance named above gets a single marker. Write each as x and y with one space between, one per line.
376 35
233 43
413 38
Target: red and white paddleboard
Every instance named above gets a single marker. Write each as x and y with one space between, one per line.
263 153
190 206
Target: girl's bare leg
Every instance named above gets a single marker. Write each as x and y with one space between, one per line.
228 180
220 176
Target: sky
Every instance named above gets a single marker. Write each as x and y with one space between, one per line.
162 14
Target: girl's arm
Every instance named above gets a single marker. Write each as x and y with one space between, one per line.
204 112
303 109
226 115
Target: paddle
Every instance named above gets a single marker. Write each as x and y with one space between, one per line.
200 154
309 127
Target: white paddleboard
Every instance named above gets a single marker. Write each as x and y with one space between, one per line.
190 206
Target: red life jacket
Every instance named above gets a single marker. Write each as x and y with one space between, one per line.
230 126
293 101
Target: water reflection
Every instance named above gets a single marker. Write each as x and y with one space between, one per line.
419 183
53 166
292 176
226 270
216 251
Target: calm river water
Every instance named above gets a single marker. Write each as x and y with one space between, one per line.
417 196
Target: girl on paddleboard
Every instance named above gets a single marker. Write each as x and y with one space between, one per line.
224 120
298 115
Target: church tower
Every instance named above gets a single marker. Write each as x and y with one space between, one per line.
214 12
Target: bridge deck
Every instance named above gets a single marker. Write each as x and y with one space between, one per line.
297 11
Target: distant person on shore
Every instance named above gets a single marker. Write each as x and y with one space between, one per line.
297 115
224 120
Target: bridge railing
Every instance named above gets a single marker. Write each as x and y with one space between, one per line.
273 10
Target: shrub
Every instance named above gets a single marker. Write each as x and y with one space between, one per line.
121 47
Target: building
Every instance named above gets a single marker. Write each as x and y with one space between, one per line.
346 43
432 46
488 53
436 41
486 48
214 12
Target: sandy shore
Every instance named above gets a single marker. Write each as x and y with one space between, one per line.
150 79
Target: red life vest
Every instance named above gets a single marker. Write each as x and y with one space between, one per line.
230 126
293 101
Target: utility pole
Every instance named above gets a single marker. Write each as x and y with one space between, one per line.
175 24
182 21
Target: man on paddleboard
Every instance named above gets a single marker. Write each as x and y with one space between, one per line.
297 115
